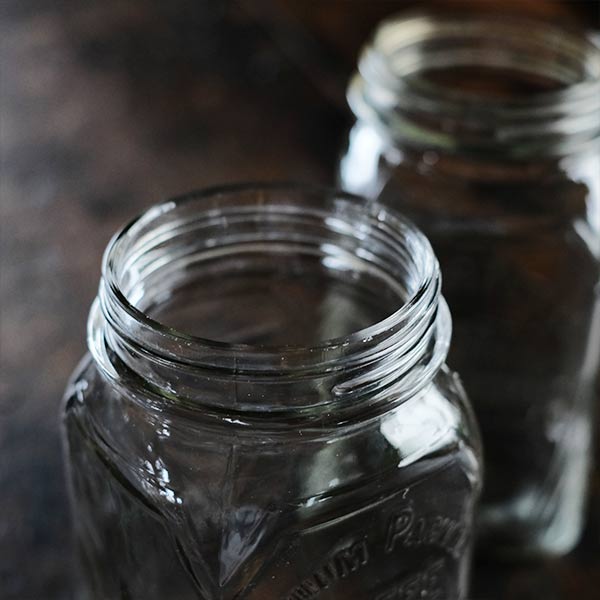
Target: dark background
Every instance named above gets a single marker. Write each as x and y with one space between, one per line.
109 106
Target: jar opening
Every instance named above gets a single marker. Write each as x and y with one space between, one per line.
276 295
491 82
269 281
248 282
486 83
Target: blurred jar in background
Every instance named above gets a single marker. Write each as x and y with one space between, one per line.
318 447
485 130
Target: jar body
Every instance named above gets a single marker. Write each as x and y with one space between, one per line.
518 245
168 506
319 449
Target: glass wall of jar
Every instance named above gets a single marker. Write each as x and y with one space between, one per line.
265 412
485 131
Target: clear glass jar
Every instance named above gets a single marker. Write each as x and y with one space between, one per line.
265 412
485 131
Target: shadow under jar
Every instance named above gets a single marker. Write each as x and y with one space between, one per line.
319 448
485 131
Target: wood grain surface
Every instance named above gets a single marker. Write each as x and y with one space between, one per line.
107 107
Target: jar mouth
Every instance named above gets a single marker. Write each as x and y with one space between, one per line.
483 82
335 379
251 212
402 351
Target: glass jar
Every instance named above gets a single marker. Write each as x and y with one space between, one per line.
265 412
485 131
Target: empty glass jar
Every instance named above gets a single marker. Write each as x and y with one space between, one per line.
265 412
485 131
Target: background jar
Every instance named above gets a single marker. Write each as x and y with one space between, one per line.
320 446
485 131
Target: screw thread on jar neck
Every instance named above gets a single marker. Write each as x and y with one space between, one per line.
402 352
483 84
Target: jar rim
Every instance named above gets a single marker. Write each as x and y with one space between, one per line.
389 90
422 311
340 378
430 271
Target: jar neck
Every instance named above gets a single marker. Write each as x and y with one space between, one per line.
334 379
482 85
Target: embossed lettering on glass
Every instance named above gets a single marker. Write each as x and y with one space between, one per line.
485 131
265 412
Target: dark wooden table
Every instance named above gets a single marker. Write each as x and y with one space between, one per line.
107 107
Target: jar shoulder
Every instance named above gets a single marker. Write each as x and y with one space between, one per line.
434 185
429 430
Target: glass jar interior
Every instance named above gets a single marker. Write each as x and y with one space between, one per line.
275 275
273 299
